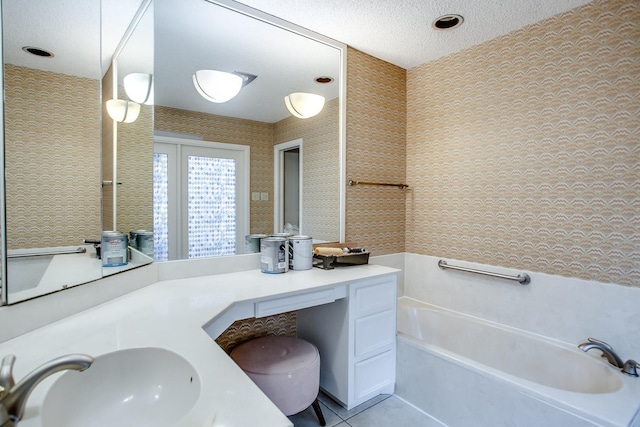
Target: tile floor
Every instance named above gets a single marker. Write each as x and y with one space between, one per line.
381 411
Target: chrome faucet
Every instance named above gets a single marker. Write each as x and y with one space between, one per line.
606 349
630 367
13 397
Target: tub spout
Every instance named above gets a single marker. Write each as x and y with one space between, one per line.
13 398
606 349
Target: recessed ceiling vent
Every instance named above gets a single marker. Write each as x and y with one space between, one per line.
448 22
38 52
324 79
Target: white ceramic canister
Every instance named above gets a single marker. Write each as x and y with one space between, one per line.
300 253
114 248
252 243
274 255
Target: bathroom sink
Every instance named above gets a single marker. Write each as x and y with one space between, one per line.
134 387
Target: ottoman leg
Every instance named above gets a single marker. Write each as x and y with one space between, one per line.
318 411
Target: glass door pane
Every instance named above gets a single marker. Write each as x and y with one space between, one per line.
211 206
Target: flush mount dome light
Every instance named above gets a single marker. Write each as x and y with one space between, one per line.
304 105
448 22
139 87
217 86
122 110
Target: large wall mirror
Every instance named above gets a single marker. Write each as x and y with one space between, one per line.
58 60
275 62
70 172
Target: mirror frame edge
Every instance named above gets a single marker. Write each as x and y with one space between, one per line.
4 294
342 92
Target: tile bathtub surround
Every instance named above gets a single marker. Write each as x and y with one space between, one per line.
562 308
523 151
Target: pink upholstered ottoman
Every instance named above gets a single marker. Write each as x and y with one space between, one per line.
286 369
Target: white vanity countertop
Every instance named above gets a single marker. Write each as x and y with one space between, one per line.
171 314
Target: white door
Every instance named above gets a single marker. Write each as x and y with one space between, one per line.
203 211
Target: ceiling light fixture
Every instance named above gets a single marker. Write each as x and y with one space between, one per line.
304 105
448 22
217 86
139 87
122 110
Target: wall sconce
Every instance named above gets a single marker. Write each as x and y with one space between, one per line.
217 86
304 105
139 87
122 110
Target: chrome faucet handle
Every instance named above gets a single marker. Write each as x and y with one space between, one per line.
630 368
602 343
6 373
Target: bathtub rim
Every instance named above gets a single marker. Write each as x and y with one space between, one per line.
614 409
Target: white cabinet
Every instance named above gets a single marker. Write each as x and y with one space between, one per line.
356 340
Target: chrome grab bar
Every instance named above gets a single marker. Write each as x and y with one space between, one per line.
522 278
35 252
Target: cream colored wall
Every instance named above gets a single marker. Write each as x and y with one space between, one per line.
320 134
376 139
524 151
52 158
135 171
258 135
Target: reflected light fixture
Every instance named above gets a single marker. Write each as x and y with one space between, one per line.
139 87
217 86
304 105
122 110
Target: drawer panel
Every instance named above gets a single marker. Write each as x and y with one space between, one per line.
294 302
373 374
377 297
374 332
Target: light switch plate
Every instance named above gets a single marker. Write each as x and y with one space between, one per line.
264 196
255 196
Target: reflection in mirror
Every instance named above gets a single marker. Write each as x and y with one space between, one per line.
52 137
200 35
127 142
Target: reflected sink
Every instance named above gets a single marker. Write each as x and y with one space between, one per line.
134 387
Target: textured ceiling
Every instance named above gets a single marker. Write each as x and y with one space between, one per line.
194 34
400 31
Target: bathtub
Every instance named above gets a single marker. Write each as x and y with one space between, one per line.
467 372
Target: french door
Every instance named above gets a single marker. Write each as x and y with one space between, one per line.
200 198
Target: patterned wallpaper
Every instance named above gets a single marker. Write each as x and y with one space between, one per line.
376 138
135 171
259 136
107 152
246 329
52 148
321 200
524 151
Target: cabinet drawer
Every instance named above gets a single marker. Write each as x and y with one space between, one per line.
373 374
376 297
294 302
374 332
